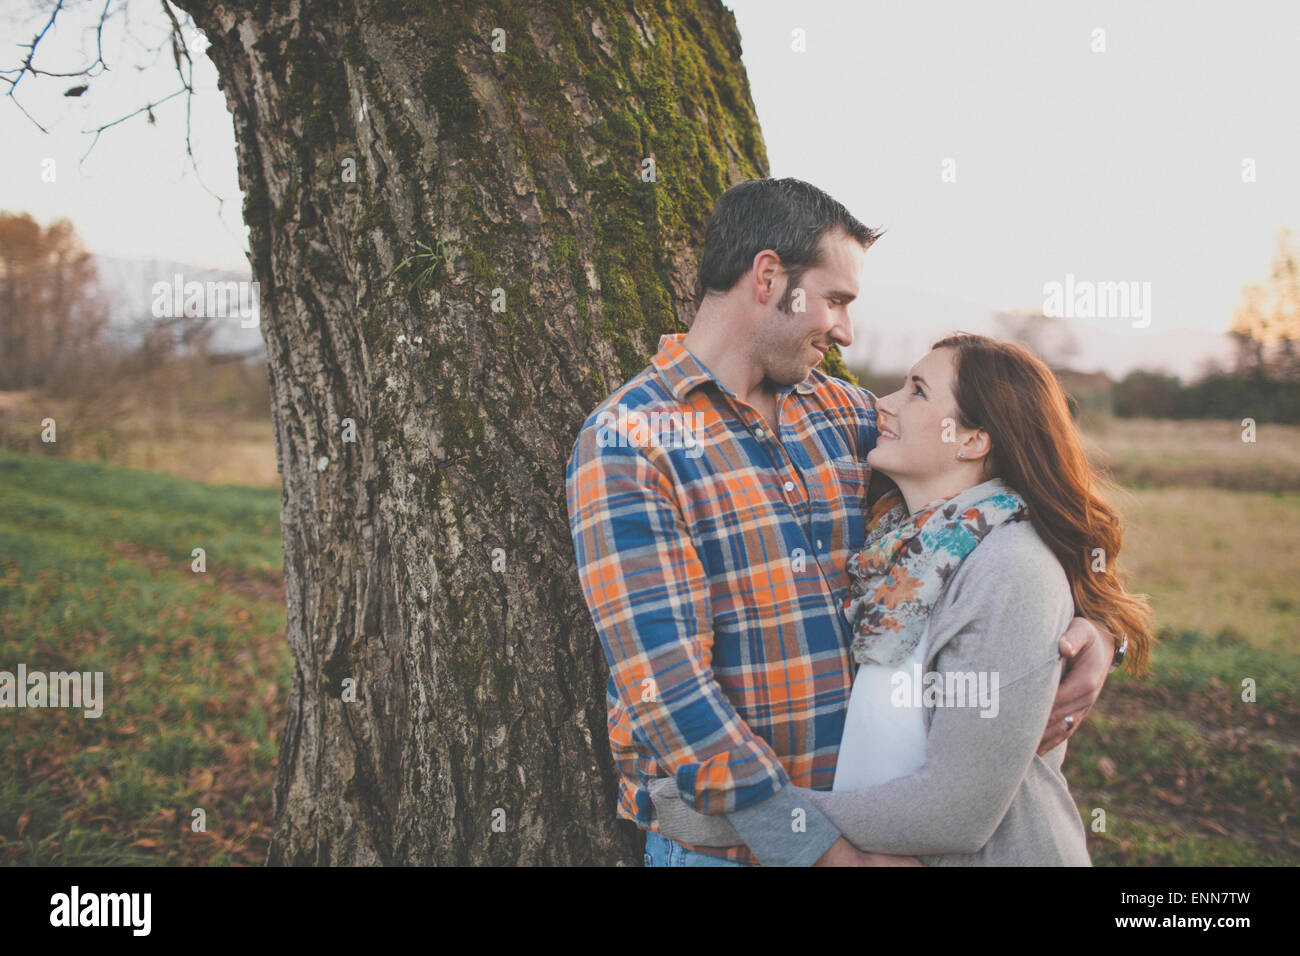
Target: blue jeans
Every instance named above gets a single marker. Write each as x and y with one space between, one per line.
662 851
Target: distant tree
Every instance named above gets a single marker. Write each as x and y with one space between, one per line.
52 314
1143 394
1266 326
1048 337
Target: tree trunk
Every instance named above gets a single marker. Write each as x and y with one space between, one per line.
429 560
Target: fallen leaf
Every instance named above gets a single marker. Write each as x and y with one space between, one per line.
1206 822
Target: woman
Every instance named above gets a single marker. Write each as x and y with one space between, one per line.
991 541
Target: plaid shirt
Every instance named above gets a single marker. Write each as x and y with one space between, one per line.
713 559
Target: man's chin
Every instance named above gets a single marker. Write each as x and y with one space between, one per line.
786 379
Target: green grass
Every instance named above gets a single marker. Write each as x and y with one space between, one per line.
1187 772
237 526
95 575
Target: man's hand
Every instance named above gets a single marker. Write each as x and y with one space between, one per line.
844 853
1088 651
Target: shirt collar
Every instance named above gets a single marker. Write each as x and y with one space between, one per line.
682 372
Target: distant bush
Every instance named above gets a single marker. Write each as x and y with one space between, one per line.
1226 395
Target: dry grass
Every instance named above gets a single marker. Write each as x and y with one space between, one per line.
208 438
220 452
1212 523
1146 452
1215 560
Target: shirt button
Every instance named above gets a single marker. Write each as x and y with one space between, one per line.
758 433
819 543
789 486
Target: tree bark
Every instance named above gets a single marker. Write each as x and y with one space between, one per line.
430 560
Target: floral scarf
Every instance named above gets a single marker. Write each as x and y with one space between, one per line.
904 566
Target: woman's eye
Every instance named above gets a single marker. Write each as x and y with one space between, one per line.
919 392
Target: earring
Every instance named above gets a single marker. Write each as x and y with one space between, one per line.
961 454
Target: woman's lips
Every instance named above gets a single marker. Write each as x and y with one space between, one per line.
887 435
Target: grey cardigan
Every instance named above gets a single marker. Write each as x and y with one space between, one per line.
983 797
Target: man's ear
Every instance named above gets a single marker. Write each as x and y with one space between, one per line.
766 272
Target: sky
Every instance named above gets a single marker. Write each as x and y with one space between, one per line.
1003 145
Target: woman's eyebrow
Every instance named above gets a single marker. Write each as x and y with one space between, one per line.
917 378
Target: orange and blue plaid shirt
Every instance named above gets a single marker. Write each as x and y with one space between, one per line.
712 555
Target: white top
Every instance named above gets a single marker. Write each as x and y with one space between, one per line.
884 734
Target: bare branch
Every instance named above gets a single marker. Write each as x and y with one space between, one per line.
31 48
180 57
181 51
28 67
122 119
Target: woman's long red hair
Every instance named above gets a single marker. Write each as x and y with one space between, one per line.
1010 393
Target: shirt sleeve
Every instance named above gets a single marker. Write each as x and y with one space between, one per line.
863 428
783 830
648 593
868 426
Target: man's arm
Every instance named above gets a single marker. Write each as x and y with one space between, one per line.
1088 651
648 593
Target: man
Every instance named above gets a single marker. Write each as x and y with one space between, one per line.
714 500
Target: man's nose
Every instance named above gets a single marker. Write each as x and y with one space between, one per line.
842 331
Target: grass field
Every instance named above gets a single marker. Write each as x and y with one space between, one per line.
1235 572
95 574
1211 454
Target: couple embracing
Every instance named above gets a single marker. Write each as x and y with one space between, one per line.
770 588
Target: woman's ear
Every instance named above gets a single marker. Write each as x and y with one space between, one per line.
976 446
